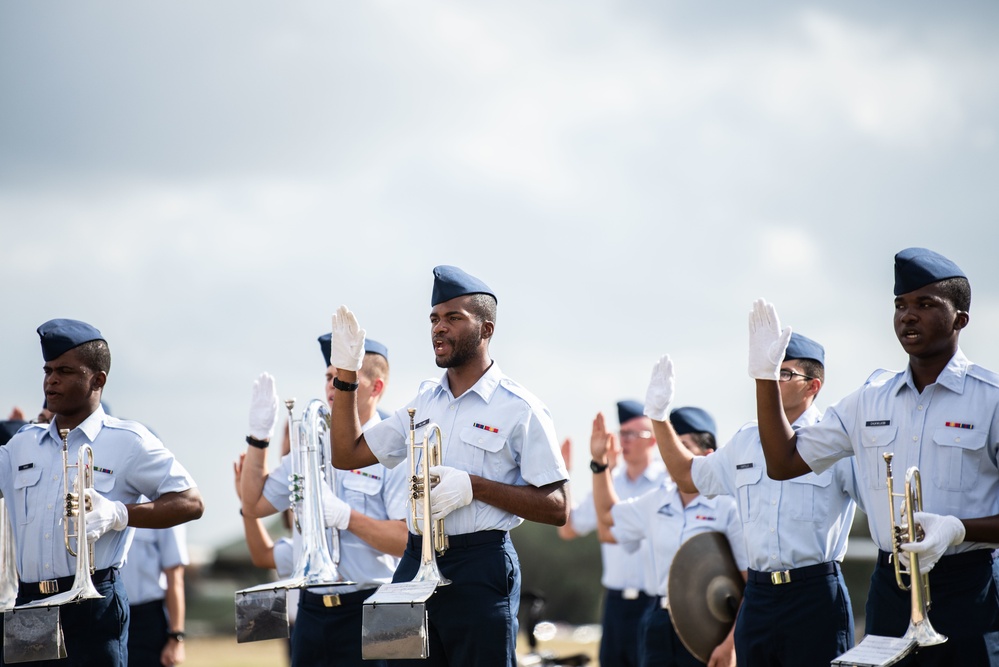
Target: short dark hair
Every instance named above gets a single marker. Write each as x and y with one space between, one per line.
95 355
812 368
483 306
958 292
704 440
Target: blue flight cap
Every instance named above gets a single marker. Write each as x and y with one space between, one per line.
61 336
919 267
801 347
451 282
370 347
628 410
8 428
692 420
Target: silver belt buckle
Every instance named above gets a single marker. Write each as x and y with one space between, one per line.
48 587
782 577
664 603
629 594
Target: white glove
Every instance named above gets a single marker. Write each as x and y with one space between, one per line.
263 407
347 341
939 532
336 513
767 341
662 385
104 515
453 491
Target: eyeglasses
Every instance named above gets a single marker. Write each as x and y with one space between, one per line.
786 374
628 435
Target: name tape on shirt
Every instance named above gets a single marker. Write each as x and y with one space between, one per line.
744 466
26 466
878 422
422 423
491 429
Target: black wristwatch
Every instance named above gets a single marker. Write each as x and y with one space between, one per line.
179 636
597 468
344 386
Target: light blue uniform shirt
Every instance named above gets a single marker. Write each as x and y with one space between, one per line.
623 570
660 517
950 431
497 430
129 462
374 491
153 550
789 524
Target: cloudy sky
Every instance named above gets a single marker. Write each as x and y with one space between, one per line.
207 182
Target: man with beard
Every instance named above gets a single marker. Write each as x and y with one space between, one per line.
129 462
941 414
501 465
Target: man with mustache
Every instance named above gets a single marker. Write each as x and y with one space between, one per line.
501 465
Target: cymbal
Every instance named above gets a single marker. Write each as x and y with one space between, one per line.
704 590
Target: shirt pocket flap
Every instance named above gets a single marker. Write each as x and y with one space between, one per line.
878 436
956 437
103 482
477 437
824 479
747 476
365 484
26 478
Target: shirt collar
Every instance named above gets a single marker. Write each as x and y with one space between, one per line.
486 385
673 498
807 418
90 426
951 377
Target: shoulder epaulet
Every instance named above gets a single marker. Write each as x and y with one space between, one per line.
748 425
428 384
880 376
983 374
128 425
523 394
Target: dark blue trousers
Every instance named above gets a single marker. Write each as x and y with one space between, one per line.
964 607
96 631
805 622
663 647
147 634
622 619
325 635
473 621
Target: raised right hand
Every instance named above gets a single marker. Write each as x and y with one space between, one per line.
263 407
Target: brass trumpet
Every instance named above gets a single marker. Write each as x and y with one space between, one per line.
434 538
920 628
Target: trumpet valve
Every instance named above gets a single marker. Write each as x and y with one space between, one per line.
72 504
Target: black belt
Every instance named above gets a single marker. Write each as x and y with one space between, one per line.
337 599
465 540
62 584
790 576
963 559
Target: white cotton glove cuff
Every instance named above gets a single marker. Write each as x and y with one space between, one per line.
453 491
263 407
662 385
105 515
346 341
940 532
767 341
336 513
